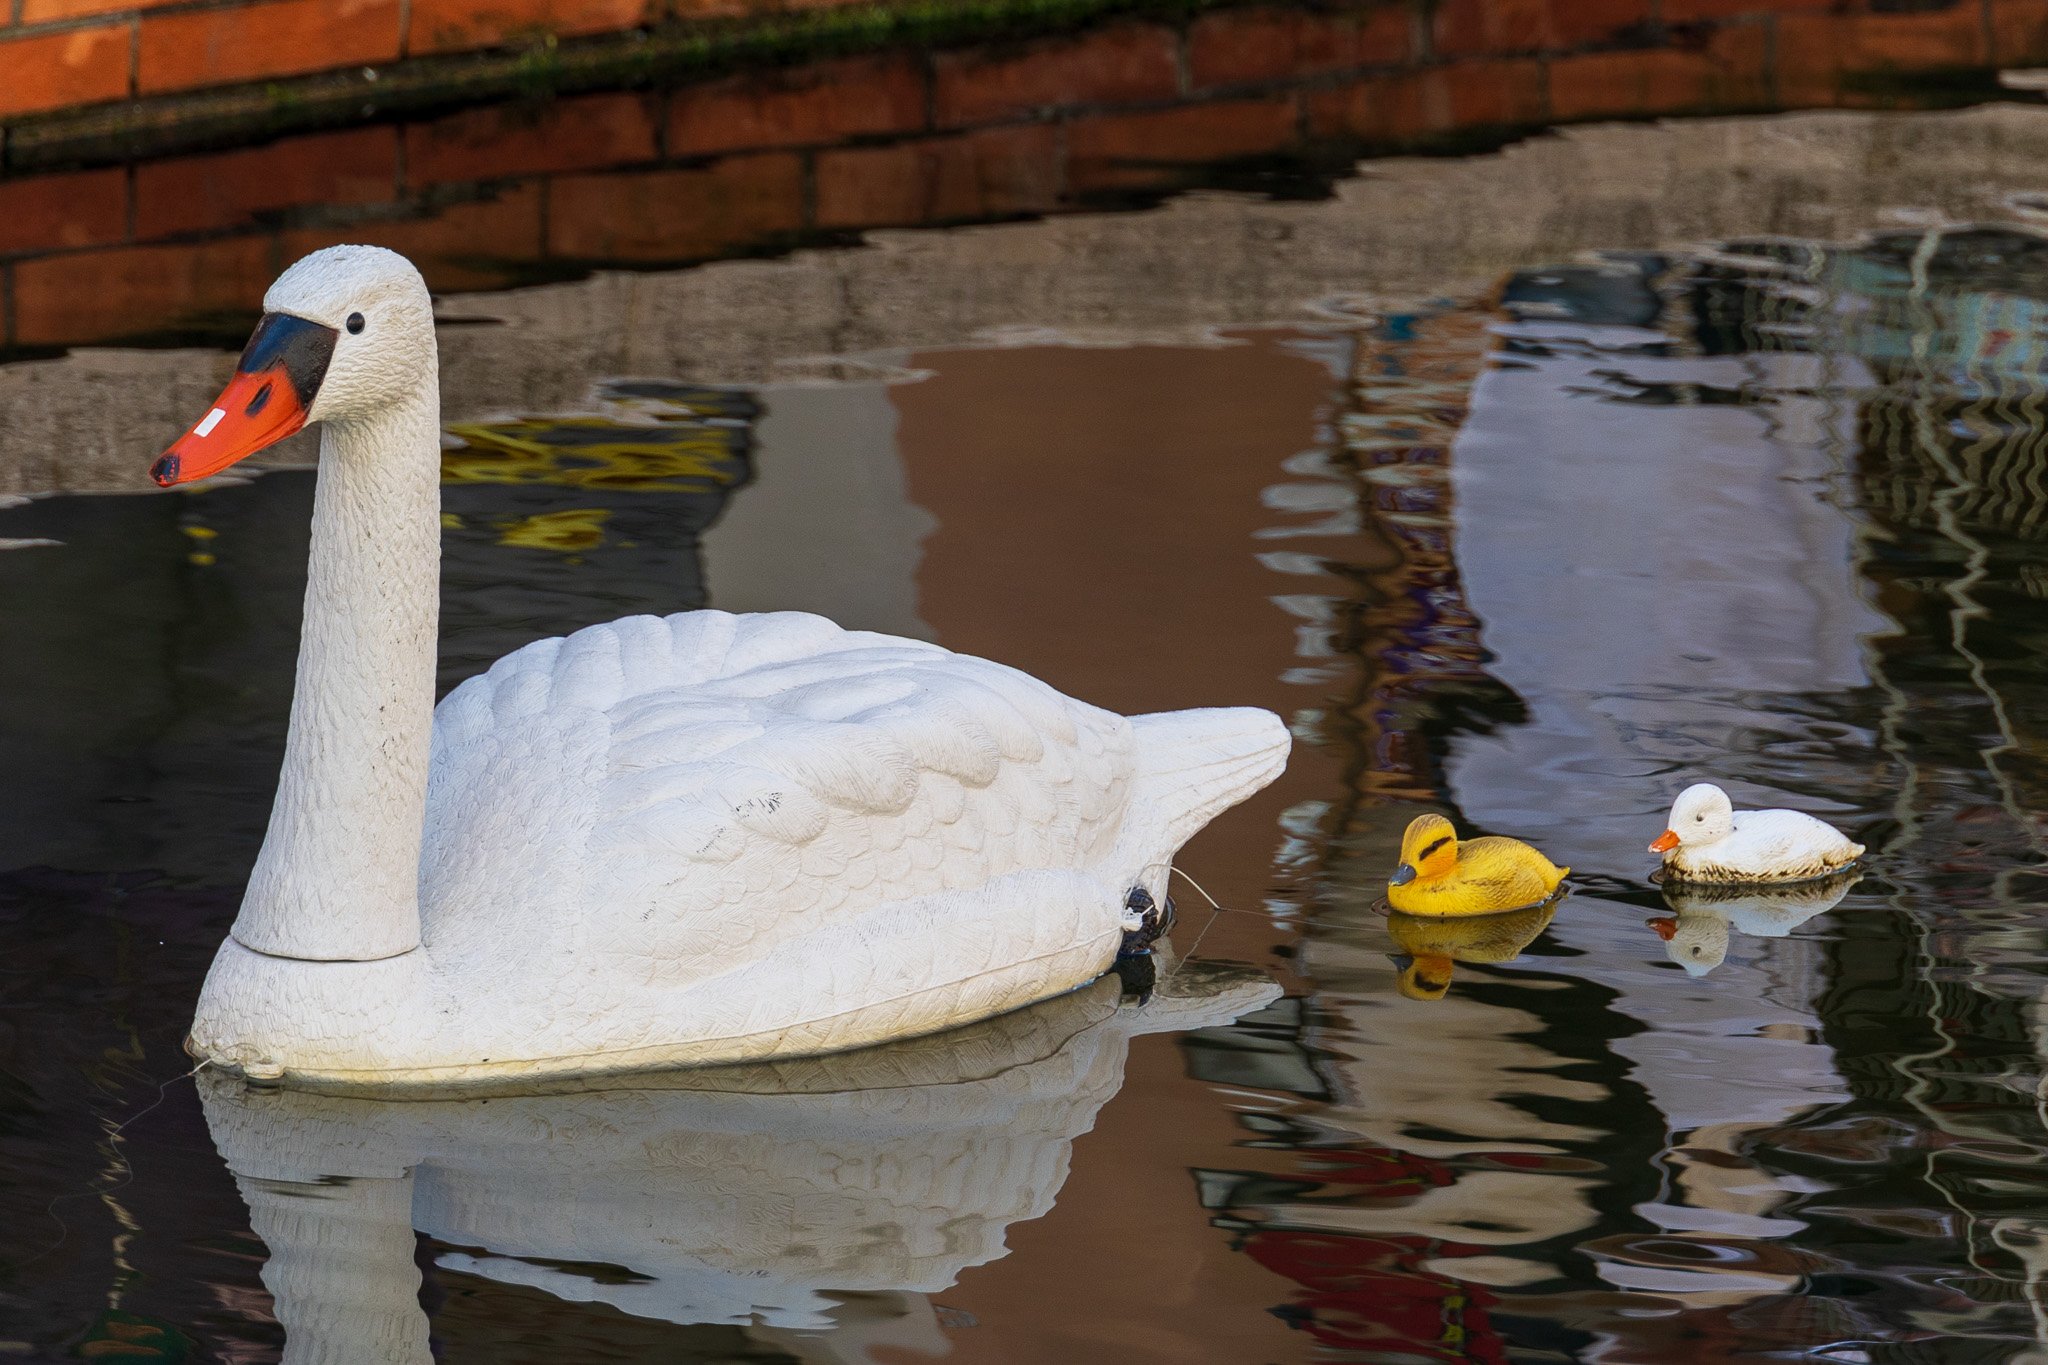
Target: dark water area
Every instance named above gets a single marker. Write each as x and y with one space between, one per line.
1763 509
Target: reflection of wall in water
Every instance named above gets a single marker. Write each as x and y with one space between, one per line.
1934 458
1952 465
1436 1083
158 635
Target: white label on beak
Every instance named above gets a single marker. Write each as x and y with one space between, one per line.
212 420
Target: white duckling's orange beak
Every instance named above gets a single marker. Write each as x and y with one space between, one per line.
1664 842
266 401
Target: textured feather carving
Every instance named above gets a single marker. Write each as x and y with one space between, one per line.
728 750
715 837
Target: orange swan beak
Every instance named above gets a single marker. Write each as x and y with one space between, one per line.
266 401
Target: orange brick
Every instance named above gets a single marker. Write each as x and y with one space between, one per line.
480 244
229 189
55 212
60 69
1345 111
1463 28
1498 94
466 25
1816 52
1415 106
993 173
255 42
1233 46
2019 32
1386 35
94 296
498 141
685 215
1579 22
1867 42
821 103
1692 11
43 11
1597 84
1808 73
1125 64
1117 149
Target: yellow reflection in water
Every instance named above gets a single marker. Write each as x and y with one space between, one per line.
568 532
1431 945
597 452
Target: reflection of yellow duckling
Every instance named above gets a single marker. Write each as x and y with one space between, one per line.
1440 876
1434 943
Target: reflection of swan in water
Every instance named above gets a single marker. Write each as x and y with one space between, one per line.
1697 938
1432 944
756 1194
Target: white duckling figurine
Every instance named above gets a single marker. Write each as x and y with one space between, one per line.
1708 841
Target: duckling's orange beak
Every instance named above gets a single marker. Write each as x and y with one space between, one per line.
265 402
1664 842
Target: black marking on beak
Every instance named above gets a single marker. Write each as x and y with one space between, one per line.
259 402
1403 875
164 471
300 348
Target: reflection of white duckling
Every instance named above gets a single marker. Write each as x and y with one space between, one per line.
814 1202
1708 841
1697 939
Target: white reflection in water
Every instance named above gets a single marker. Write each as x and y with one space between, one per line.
1644 571
782 1197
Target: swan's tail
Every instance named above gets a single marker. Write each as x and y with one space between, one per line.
1194 765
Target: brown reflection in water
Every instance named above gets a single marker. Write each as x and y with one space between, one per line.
1052 472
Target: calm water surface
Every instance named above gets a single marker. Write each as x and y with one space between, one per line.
1766 511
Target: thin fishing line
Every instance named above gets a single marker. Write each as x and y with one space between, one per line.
1193 948
1202 892
1217 910
1172 870
128 1169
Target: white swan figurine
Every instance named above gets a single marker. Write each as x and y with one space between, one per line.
1706 840
708 838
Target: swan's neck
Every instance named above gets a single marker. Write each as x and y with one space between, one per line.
338 877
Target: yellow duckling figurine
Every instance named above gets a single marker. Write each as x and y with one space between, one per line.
1440 876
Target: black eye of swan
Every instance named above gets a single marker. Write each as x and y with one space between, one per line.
355 323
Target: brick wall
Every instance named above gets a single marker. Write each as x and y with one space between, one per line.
765 159
56 54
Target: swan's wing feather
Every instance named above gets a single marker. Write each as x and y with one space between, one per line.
747 779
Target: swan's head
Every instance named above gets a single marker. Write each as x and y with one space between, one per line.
346 333
1429 849
1701 814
